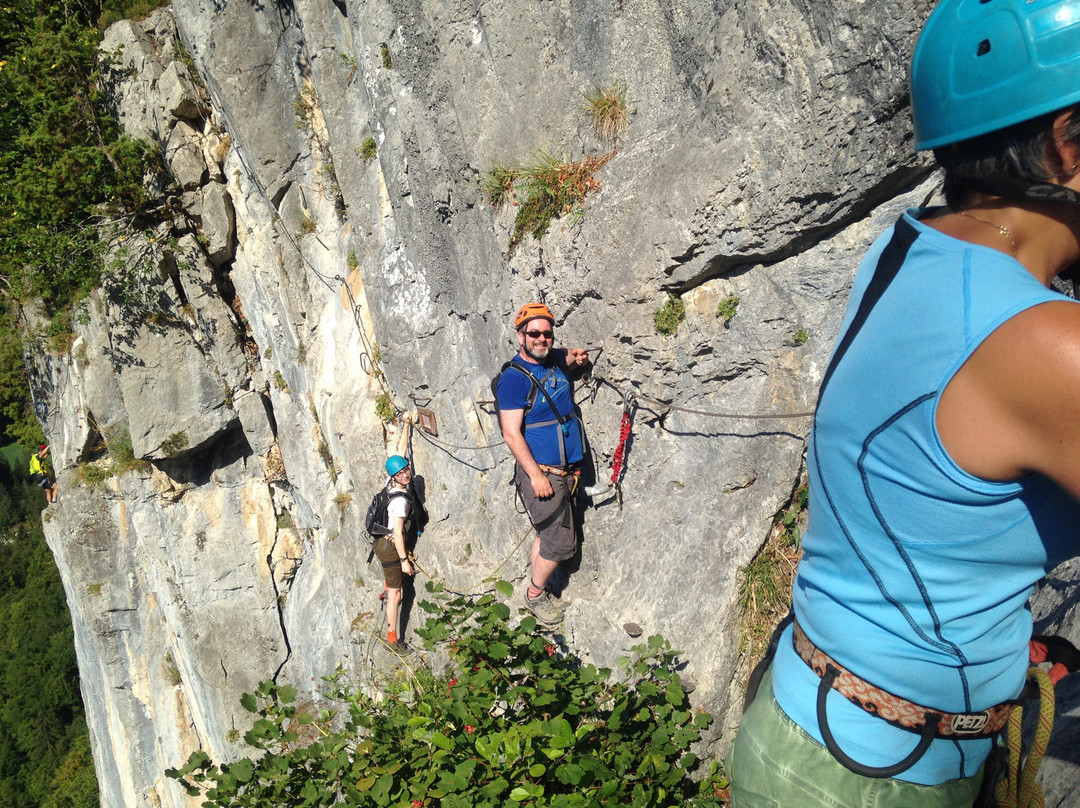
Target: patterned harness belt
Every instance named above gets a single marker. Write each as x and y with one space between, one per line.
558 471
897 711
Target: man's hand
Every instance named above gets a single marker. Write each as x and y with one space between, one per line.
407 567
577 356
542 486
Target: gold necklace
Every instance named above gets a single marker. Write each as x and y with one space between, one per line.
999 227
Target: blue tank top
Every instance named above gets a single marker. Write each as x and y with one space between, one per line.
916 575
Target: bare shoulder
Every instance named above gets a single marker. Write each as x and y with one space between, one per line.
1014 407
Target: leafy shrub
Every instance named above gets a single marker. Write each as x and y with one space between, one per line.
801 337
513 721
727 308
384 55
666 319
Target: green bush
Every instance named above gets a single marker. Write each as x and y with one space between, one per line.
367 149
727 308
666 319
384 407
801 337
515 720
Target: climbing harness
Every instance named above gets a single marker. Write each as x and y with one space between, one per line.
929 724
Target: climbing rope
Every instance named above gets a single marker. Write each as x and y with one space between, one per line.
1018 789
665 407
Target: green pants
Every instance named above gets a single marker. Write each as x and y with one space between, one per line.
776 764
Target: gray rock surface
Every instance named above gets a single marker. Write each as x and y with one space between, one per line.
767 144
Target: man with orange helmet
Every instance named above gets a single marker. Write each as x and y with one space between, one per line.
541 427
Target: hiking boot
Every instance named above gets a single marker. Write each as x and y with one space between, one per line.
544 608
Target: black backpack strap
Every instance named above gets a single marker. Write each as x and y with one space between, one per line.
538 384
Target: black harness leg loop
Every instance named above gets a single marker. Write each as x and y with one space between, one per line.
927 736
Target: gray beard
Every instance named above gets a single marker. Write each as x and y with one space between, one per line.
538 357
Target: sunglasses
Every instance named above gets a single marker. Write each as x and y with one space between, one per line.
537 334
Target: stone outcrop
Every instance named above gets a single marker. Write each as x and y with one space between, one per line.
234 361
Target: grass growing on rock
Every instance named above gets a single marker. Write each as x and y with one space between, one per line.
606 109
546 189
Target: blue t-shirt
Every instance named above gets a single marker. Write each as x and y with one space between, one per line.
551 443
916 575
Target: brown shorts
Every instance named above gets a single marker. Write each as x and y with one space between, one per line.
554 515
391 563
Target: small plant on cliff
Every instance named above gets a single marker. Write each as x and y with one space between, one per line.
765 583
727 308
307 224
514 720
384 55
384 407
279 381
801 337
547 189
304 107
367 149
173 445
606 108
666 319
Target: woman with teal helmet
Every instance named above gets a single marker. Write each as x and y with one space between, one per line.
943 459
392 549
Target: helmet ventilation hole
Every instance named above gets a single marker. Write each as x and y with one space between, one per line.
984 46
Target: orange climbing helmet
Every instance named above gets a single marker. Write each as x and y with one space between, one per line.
531 311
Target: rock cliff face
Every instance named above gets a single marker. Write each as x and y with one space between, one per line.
241 345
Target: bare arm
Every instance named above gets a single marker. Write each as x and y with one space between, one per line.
406 431
399 544
1014 407
512 423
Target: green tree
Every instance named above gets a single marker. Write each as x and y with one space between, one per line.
65 168
42 725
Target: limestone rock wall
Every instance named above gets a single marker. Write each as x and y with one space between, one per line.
242 344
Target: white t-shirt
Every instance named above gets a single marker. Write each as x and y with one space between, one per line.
398 506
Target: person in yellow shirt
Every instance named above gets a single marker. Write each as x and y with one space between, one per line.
41 473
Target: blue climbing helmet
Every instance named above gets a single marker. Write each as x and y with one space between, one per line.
983 65
395 463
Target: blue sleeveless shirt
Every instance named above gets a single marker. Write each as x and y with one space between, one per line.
916 575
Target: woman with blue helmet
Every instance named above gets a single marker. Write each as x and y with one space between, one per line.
392 549
944 479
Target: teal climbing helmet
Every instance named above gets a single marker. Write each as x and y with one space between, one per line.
395 463
983 65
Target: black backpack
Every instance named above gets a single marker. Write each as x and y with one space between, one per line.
375 522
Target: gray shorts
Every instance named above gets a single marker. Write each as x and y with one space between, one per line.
554 515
